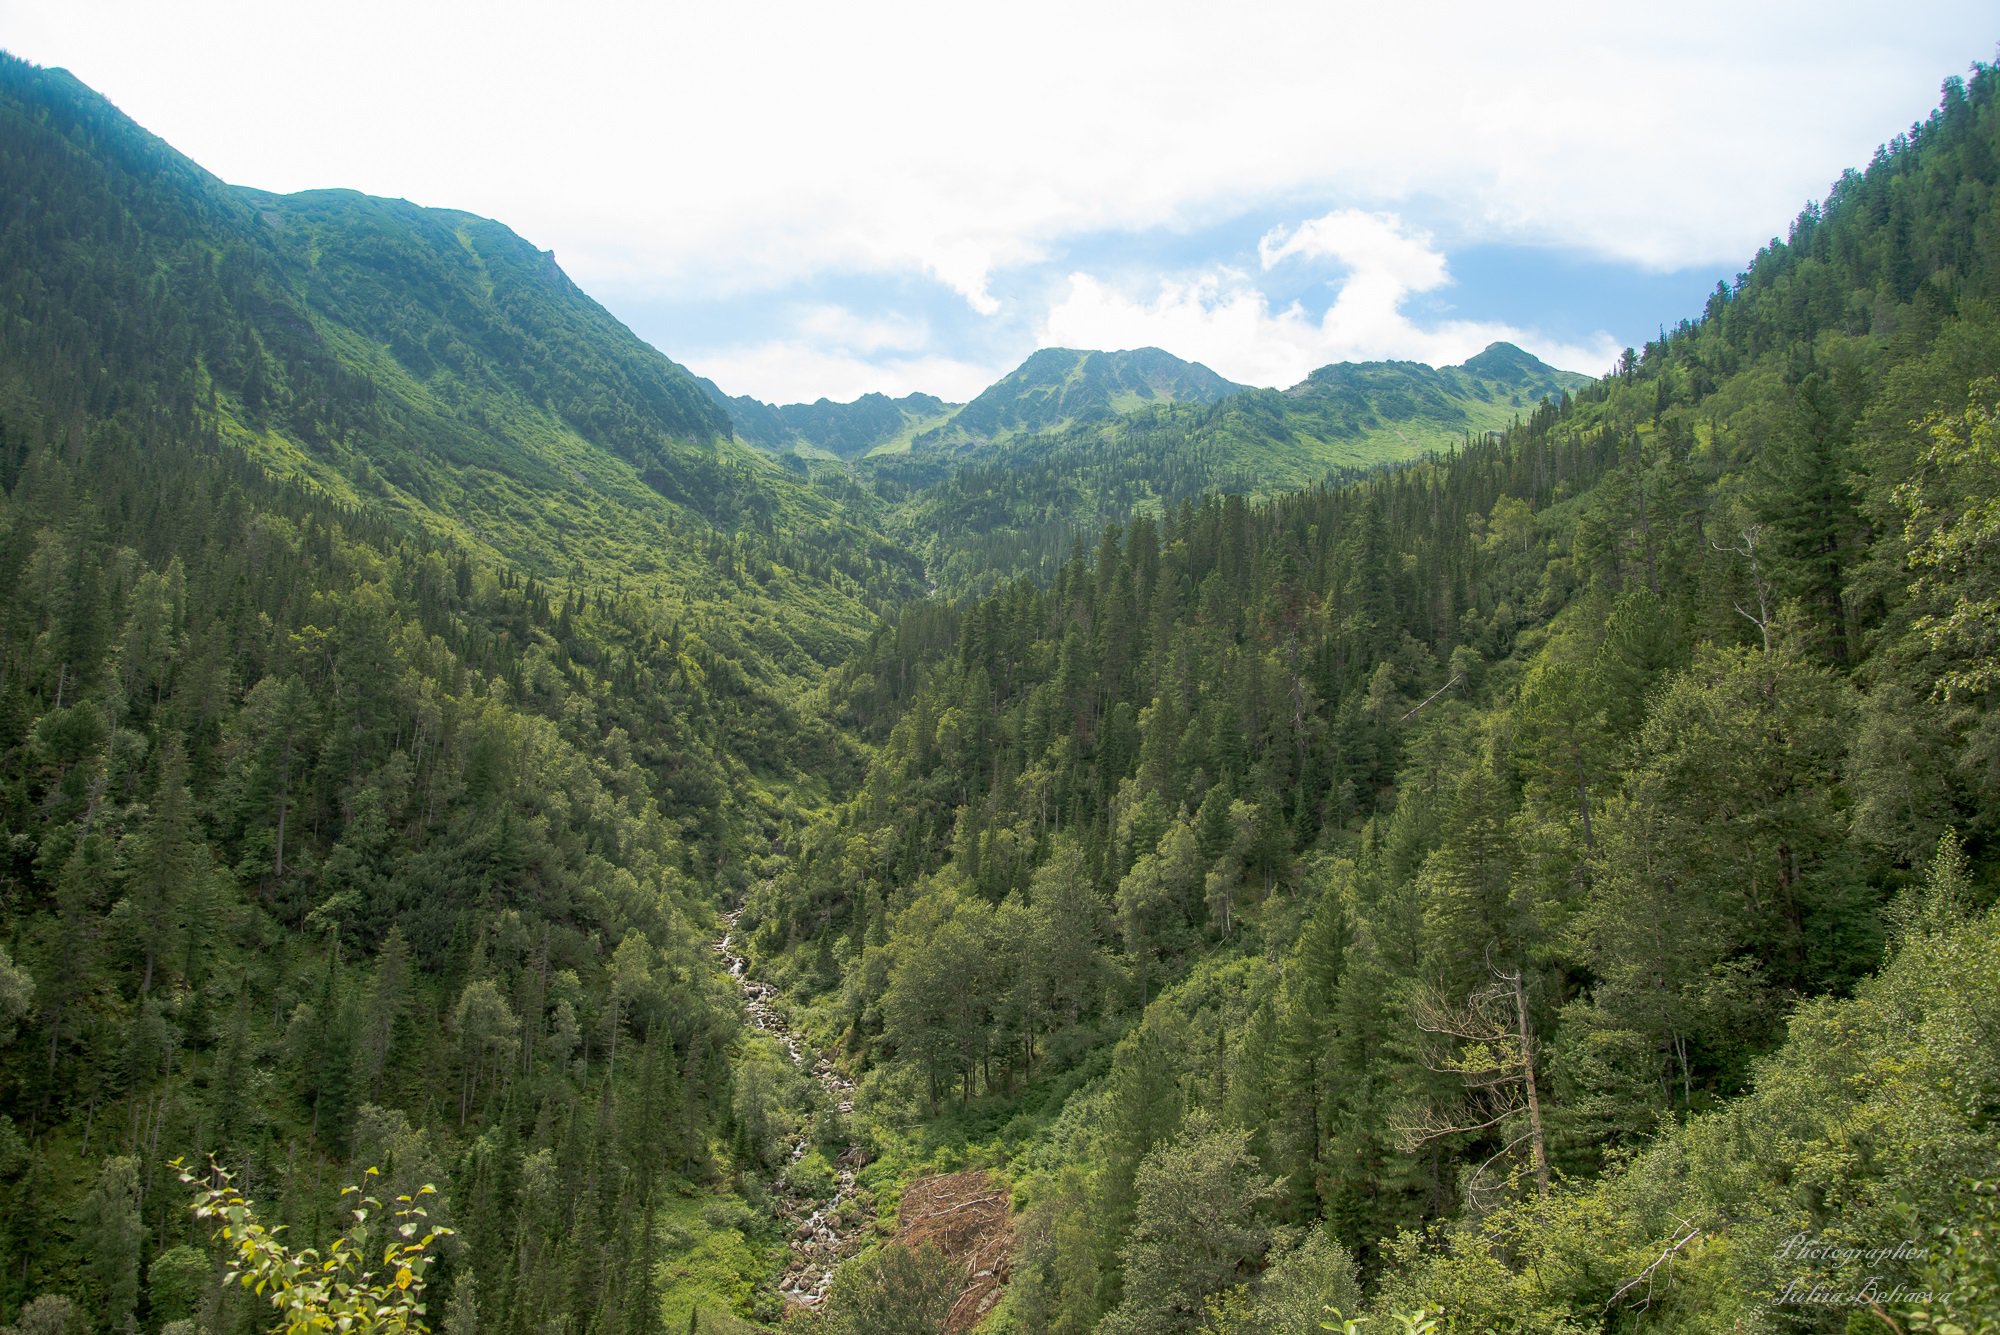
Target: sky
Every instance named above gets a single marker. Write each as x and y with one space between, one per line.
808 199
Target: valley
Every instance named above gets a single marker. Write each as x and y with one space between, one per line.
1131 852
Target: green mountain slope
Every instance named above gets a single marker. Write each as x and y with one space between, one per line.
1389 411
397 659
1017 506
1058 387
1354 412
425 363
461 302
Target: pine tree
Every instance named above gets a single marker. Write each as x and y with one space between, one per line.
1196 1230
170 868
382 1008
114 1236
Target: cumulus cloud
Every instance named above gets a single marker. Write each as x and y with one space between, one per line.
966 267
1374 243
1223 319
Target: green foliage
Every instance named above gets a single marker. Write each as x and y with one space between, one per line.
17 991
1961 1271
343 1288
1926 910
1308 1280
1951 524
461 1317
1419 1322
1054 1283
1840 1171
50 1314
894 1290
114 1234
935 1007
711 1262
176 1282
1195 1229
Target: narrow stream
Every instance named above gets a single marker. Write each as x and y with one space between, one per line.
818 1232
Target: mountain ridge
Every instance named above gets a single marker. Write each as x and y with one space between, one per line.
1059 387
1016 504
824 427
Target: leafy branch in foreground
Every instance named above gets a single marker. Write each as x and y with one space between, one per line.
336 1290
1420 1322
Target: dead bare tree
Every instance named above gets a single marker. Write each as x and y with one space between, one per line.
1761 618
1646 1276
1488 1041
1419 708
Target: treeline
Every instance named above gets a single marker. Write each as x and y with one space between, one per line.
1418 846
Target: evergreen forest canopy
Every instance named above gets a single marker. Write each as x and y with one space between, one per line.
1547 885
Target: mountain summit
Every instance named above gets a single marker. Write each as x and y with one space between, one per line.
1349 401
1061 387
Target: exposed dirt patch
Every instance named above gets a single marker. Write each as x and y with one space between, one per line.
968 1217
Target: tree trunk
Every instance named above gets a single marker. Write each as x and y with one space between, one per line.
1539 1144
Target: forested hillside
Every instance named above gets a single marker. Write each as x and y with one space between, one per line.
1464 883
427 365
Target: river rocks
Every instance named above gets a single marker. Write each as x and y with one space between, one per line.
820 1234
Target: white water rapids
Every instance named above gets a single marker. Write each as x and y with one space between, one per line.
821 1234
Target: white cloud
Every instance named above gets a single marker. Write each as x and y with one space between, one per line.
689 154
1221 318
965 266
833 352
1375 243
840 327
706 149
